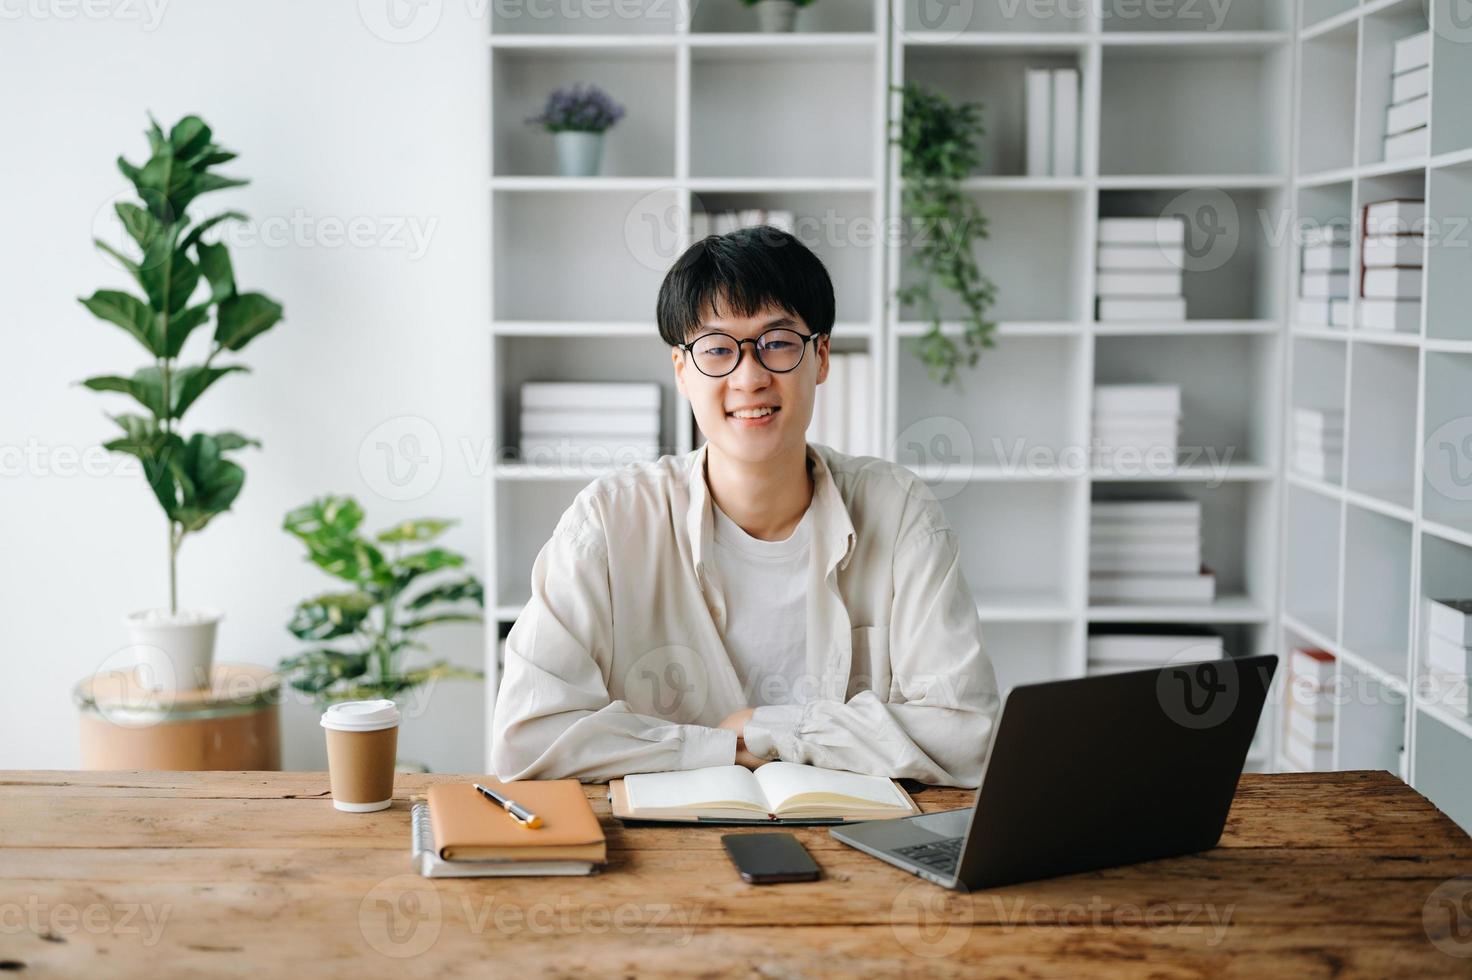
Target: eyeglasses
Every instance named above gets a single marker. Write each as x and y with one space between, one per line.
717 354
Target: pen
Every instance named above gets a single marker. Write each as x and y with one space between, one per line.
518 812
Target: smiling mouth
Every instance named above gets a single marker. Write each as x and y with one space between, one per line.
771 410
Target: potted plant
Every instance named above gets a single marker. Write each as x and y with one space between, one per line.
776 16
362 636
577 118
937 141
192 477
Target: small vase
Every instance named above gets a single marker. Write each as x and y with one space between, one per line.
776 16
579 154
174 651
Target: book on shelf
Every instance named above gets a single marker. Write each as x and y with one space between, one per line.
1152 644
565 451
703 223
1450 619
1318 419
1391 315
1136 308
1169 589
1313 667
581 422
599 396
1393 252
1134 561
1390 283
1150 257
1410 84
1327 257
1147 512
1411 52
1331 443
1315 312
1324 285
1168 230
1039 96
1316 730
457 832
1404 146
1396 216
1411 114
1137 399
778 792
1339 312
1329 233
1448 656
860 405
1065 122
1140 283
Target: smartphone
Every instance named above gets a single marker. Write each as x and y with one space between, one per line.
764 859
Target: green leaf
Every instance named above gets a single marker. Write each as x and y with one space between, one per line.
214 182
316 670
424 529
141 226
468 589
130 313
163 185
331 615
191 382
209 482
189 136
134 175
168 276
243 317
430 560
146 386
197 232
122 259
229 441
418 624
328 527
214 262
182 324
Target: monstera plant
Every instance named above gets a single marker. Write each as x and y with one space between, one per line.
186 290
398 586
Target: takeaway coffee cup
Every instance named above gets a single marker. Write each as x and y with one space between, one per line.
362 740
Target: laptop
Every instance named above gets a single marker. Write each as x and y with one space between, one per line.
1091 773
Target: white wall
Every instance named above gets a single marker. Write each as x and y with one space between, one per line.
333 123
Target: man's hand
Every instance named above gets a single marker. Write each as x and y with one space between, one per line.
736 722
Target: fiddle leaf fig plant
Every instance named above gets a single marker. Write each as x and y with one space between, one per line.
192 477
398 585
938 150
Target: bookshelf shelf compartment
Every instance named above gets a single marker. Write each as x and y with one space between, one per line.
1377 613
1233 266
1449 253
1313 561
1370 721
1447 490
642 80
1164 109
744 121
1318 383
1031 533
1025 653
1381 426
1326 120
1451 79
1382 28
1443 757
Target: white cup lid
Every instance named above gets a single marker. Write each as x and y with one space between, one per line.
361 716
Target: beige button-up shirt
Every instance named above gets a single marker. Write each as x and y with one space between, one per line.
617 665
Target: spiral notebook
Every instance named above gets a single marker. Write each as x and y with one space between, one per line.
429 864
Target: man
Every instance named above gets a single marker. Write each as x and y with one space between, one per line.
760 598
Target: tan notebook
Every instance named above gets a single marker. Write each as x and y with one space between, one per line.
777 791
469 827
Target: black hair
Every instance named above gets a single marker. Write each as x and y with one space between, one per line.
746 270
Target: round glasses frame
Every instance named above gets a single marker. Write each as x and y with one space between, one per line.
755 343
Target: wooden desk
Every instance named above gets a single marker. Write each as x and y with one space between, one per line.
254 874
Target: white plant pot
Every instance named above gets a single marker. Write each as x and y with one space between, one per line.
776 16
173 651
579 154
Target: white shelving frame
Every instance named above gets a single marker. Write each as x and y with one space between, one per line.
1391 549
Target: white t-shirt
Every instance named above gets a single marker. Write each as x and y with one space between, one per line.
765 585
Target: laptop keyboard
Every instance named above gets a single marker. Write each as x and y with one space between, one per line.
940 855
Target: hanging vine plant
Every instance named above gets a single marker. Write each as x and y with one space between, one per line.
938 150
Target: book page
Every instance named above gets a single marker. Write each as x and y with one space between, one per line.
788 784
726 786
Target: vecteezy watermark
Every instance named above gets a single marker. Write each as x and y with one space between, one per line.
669 682
146 13
1197 693
401 458
940 449
1450 19
403 916
56 920
947 19
407 21
1021 458
43 460
929 921
1447 917
1180 918
1449 459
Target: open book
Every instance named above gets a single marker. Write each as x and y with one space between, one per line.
780 791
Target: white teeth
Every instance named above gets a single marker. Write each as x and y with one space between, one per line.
752 413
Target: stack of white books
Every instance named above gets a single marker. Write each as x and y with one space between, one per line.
1142 420
1318 443
1449 652
1308 716
1406 119
1052 122
1115 649
1142 263
1391 257
1323 285
589 424
1147 551
703 223
843 406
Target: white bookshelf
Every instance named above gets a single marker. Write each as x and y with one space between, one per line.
1364 548
1175 117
